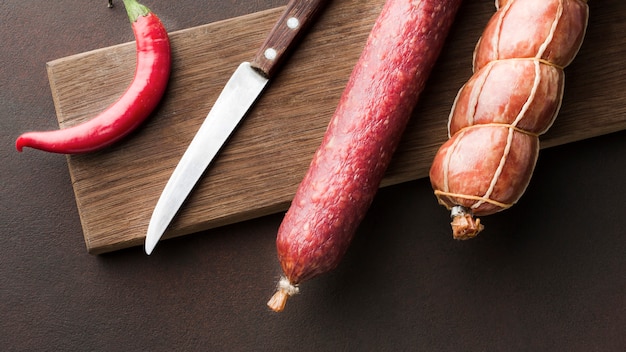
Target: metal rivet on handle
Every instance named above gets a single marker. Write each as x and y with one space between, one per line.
293 23
270 53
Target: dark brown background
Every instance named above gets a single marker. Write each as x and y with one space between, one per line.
548 274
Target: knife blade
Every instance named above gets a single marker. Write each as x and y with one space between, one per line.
237 97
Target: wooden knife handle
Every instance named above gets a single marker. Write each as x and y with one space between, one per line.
297 17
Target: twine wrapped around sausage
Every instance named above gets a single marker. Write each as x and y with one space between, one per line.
511 99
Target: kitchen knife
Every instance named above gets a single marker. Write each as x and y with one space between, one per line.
240 93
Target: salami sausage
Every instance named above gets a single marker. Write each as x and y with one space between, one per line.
362 135
511 99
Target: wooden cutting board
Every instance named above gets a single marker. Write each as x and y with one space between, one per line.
259 169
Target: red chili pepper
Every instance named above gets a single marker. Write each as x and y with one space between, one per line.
135 105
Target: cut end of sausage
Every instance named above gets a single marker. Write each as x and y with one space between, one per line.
284 290
464 225
278 301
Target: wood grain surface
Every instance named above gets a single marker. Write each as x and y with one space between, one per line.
259 169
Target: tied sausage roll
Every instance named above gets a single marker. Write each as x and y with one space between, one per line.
511 99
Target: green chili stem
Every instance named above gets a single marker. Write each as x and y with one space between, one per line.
135 10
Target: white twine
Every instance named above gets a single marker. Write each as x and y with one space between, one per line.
285 286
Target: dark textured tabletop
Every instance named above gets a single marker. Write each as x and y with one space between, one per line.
548 275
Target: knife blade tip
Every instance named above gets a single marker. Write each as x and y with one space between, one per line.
149 246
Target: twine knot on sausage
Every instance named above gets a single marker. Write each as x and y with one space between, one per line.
287 287
284 290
